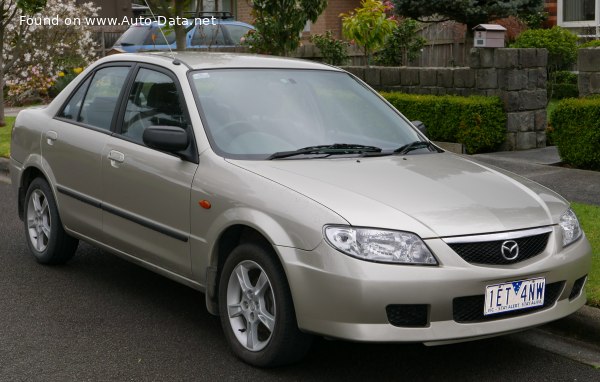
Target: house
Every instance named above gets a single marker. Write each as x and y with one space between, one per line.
110 8
580 16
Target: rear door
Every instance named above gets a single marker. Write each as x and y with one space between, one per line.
73 144
147 192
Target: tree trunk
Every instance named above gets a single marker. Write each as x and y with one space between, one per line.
180 30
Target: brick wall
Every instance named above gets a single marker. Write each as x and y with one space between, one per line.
588 63
243 12
517 76
551 6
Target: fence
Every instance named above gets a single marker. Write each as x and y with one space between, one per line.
517 76
106 36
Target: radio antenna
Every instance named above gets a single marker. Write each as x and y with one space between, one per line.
161 31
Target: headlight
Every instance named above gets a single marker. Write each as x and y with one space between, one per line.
569 226
380 245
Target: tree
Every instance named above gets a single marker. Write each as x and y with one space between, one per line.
279 24
46 54
402 46
368 26
472 12
174 10
9 10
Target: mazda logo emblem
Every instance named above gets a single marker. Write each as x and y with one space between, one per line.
510 250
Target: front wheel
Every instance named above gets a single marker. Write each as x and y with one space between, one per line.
46 238
256 309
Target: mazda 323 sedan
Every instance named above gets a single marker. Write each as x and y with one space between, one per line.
297 199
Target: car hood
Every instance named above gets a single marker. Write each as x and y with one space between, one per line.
433 195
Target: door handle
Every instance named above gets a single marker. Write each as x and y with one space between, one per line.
51 137
116 158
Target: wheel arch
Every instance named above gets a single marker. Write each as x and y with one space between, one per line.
28 175
231 237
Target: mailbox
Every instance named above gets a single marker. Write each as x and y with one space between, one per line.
489 36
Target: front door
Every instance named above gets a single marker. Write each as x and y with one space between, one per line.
146 211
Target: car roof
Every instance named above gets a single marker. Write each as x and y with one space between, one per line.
215 60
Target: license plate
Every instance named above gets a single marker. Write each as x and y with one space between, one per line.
514 295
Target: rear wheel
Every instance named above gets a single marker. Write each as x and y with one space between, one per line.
46 238
256 309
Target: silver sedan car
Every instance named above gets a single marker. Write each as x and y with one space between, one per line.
297 199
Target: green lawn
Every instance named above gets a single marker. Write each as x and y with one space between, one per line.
589 217
5 137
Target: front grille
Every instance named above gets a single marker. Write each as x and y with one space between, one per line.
470 309
410 316
577 287
490 252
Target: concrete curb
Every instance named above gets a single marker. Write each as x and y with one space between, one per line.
4 165
583 325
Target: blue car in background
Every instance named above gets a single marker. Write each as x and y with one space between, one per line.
148 36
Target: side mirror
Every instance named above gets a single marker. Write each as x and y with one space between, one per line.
171 139
420 126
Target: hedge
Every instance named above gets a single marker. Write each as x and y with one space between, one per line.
576 124
477 122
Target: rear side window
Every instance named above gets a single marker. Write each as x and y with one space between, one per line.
156 37
102 96
236 32
72 108
209 35
145 35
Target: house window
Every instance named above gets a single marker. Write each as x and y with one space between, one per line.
579 10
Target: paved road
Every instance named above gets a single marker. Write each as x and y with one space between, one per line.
100 318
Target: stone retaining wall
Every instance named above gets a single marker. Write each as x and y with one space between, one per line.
588 63
517 76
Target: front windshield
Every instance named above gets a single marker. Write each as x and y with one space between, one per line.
254 113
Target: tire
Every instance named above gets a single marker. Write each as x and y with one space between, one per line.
44 233
257 314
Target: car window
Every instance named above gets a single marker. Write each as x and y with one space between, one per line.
236 32
252 113
153 101
208 35
145 35
157 38
102 97
72 108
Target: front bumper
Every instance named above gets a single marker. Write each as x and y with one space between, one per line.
342 297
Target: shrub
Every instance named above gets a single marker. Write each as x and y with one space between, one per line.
477 122
563 84
591 44
334 51
40 52
561 45
402 46
576 124
368 26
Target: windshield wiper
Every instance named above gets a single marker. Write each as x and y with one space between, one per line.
414 146
335 149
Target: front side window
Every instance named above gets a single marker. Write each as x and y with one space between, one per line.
102 96
153 101
254 113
